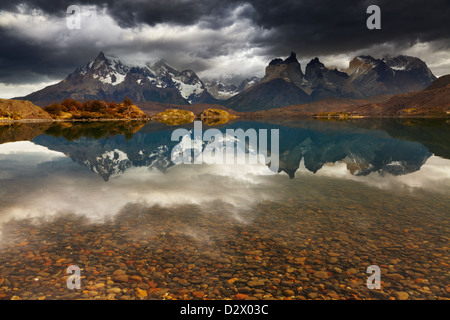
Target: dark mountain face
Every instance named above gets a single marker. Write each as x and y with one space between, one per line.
324 83
268 95
390 75
281 86
289 70
108 78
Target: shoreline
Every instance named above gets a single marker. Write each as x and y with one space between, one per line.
253 117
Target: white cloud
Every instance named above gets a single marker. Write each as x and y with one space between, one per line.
433 175
8 91
21 147
46 185
436 57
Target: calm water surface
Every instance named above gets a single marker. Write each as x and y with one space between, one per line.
106 197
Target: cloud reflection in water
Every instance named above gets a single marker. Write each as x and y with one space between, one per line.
38 183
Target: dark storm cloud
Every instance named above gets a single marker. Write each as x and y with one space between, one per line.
309 27
27 61
323 27
23 60
131 13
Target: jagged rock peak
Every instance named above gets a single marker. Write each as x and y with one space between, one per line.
316 63
101 55
291 59
275 62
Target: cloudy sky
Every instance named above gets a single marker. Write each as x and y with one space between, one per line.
218 39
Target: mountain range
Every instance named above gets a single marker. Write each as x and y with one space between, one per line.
107 78
284 83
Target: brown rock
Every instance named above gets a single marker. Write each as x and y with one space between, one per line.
119 272
288 293
256 283
136 278
141 293
401 295
198 294
321 274
121 278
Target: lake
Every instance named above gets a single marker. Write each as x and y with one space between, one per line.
107 198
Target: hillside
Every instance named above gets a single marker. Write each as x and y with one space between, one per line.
312 108
431 102
21 110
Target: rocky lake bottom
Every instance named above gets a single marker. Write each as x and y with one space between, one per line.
314 242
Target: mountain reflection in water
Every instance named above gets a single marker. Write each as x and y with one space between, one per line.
364 151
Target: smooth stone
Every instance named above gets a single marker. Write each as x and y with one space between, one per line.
288 293
352 271
93 293
141 293
119 272
256 283
401 295
244 290
321 274
313 295
121 278
113 290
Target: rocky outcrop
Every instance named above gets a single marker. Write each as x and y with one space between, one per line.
289 70
281 86
390 75
175 117
323 82
213 117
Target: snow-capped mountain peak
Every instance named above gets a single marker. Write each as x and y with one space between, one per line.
106 69
186 82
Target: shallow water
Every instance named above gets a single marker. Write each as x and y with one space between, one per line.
108 198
